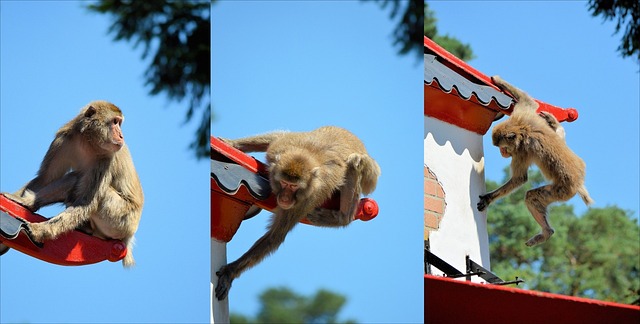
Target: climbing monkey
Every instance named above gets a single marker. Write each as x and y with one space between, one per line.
528 137
88 167
305 169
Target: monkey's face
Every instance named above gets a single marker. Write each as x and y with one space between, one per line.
291 175
115 140
101 126
507 139
287 195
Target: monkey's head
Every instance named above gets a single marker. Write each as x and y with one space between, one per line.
509 138
100 123
292 174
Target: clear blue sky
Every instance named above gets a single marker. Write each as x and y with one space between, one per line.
55 57
298 66
295 66
562 55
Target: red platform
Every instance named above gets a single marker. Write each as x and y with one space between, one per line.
228 210
70 249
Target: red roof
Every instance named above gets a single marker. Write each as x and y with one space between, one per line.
232 199
444 100
448 300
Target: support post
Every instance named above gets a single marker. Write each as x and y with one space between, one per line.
219 308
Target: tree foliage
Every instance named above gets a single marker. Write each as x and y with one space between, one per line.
282 305
451 44
594 255
627 16
406 35
178 36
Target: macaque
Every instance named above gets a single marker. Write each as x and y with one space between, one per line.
88 167
305 169
528 137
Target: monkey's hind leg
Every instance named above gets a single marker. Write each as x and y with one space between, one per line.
553 123
349 198
537 201
367 169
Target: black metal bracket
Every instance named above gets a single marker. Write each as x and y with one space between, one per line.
473 269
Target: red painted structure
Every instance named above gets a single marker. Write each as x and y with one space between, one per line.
449 300
228 210
470 114
70 249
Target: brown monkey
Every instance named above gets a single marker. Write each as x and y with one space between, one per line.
527 139
88 167
305 169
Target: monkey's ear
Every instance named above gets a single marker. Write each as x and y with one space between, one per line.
90 111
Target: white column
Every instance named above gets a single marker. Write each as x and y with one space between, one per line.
219 308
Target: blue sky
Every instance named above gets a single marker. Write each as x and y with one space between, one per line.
560 54
298 66
55 57
294 66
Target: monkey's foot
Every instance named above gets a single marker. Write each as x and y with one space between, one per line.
355 160
10 228
539 238
37 232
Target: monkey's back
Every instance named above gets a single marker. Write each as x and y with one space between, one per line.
333 142
550 153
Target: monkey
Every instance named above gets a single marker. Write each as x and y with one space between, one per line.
531 138
305 169
553 123
88 168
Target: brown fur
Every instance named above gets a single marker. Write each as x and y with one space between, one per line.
88 167
305 170
527 138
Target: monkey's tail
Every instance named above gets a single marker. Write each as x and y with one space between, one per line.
584 194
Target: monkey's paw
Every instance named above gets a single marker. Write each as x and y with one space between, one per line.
224 283
227 141
38 232
354 160
539 238
549 118
484 202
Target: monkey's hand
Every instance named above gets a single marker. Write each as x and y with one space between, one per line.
227 141
27 199
484 202
550 119
224 282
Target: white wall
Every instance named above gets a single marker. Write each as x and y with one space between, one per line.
456 157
